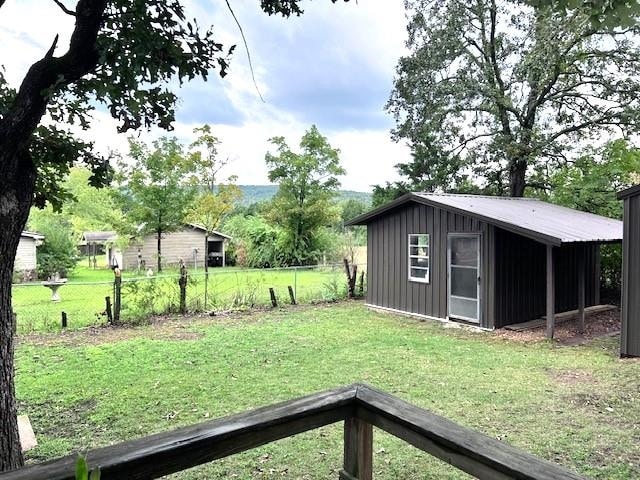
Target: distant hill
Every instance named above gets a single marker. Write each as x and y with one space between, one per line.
260 193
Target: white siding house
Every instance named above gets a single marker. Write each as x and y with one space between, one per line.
187 244
26 257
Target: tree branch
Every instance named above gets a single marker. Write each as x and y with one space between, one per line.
64 9
246 48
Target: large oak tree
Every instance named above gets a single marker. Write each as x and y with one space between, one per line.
122 54
504 90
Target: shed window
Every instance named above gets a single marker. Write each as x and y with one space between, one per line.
419 257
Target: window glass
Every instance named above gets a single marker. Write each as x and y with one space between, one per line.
419 257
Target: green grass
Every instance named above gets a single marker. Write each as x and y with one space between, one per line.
83 297
573 405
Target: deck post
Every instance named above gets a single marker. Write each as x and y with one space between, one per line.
581 288
358 450
551 297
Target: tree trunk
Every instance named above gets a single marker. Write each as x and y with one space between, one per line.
159 251
517 177
16 193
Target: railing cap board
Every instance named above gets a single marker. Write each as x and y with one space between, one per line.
168 452
467 449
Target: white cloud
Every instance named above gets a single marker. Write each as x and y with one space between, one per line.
367 33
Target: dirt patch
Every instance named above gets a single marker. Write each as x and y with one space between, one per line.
58 420
567 333
573 377
112 334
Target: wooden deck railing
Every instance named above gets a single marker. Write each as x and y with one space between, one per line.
360 407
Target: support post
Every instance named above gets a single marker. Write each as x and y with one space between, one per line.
274 300
292 296
117 289
108 311
182 282
581 289
551 294
64 320
358 450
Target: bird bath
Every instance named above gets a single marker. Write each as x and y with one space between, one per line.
54 285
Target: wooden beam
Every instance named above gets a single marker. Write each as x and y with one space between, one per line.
358 450
162 454
581 287
477 454
551 294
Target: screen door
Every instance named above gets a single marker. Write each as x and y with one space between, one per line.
464 277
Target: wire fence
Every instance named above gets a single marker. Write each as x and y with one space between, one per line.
87 304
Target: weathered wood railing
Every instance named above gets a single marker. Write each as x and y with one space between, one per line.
360 407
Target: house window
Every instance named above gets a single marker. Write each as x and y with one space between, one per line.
419 257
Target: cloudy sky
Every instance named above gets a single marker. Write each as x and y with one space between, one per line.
332 67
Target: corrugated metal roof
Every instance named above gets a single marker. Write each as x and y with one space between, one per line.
98 236
533 218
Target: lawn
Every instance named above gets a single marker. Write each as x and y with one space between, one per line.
83 297
573 405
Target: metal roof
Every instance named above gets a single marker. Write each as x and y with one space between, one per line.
98 237
629 192
541 221
35 236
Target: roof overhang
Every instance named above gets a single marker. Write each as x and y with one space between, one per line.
629 192
367 217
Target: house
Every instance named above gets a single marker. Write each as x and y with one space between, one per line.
26 255
488 261
630 336
187 244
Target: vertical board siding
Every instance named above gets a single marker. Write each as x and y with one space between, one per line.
520 277
630 340
388 261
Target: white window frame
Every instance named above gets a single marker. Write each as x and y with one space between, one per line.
427 278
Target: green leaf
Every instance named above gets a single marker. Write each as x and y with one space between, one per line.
82 470
95 474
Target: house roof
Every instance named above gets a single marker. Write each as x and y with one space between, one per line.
629 192
98 237
541 221
34 235
215 232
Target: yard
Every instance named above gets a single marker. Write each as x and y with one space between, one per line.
83 297
577 406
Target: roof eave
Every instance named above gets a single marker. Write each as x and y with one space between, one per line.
629 192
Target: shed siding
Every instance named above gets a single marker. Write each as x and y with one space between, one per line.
520 277
630 339
25 255
387 260
175 245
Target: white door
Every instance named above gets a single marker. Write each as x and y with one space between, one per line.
464 277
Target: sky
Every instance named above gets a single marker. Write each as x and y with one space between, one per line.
332 67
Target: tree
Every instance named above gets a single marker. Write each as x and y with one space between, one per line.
155 188
107 62
607 13
58 252
89 208
501 90
216 200
304 204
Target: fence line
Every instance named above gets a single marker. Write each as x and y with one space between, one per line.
93 303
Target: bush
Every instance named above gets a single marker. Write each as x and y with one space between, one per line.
58 252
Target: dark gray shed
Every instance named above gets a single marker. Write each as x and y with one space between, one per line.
490 261
630 337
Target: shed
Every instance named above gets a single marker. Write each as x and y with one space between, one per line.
630 336
95 243
188 244
26 256
488 261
